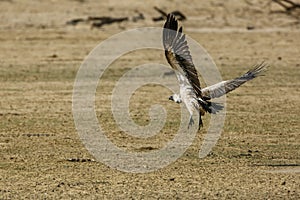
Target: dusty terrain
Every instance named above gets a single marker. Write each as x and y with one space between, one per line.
42 156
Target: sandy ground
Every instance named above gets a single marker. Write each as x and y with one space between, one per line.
42 156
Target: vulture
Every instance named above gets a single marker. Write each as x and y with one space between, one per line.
196 99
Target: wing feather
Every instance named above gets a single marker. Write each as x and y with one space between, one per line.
221 88
178 54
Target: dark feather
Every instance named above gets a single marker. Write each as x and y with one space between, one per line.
178 54
224 87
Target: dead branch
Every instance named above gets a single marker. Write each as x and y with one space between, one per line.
288 5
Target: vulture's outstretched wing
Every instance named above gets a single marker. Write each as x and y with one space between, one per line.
178 54
219 89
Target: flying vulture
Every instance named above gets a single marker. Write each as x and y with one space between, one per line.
196 99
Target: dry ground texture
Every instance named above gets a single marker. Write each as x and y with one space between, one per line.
257 155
